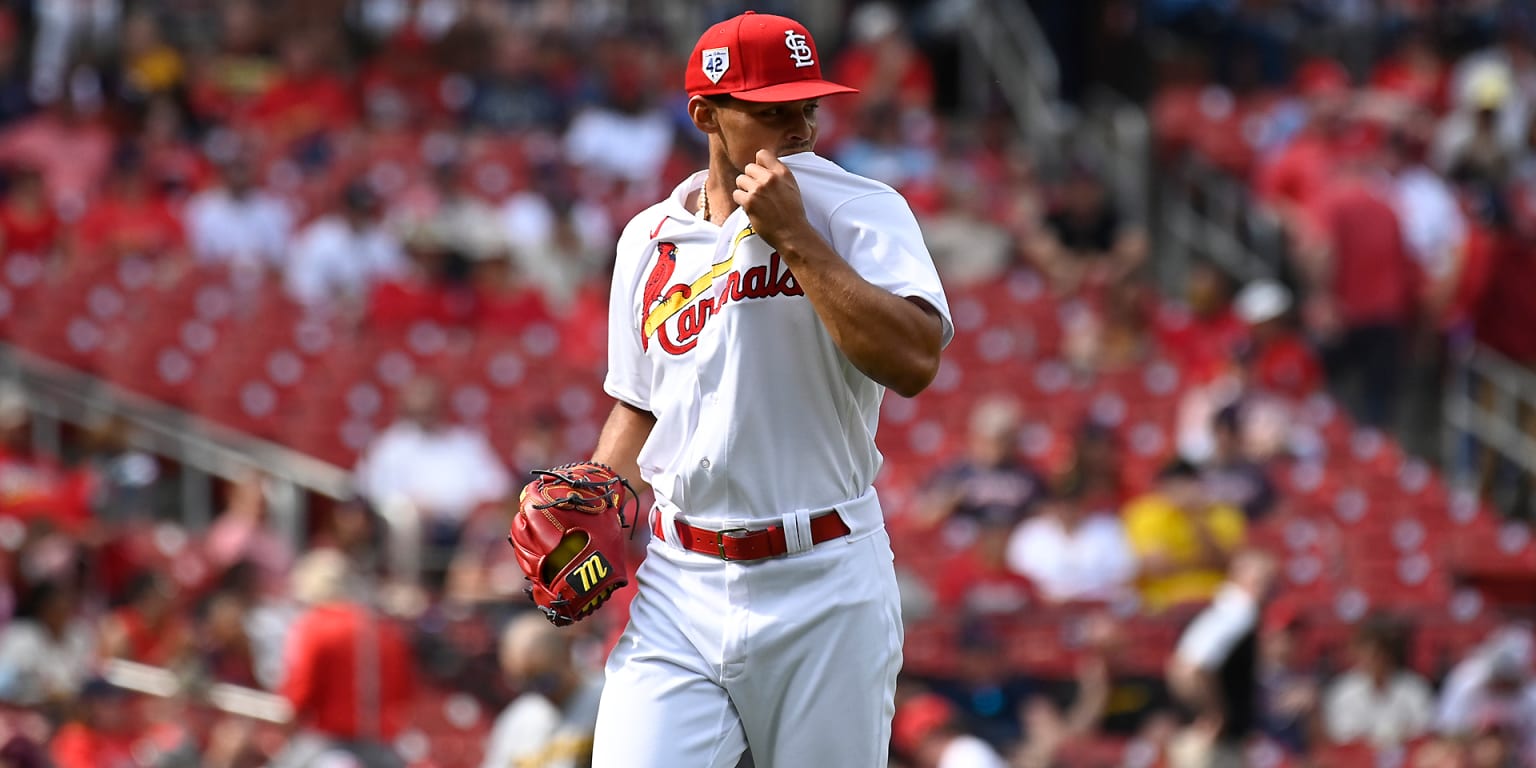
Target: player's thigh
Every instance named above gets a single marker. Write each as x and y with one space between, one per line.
661 706
822 692
656 714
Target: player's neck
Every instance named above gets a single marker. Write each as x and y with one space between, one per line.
715 202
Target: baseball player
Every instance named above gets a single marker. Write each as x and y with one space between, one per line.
758 314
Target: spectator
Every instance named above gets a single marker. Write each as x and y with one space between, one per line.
882 62
349 673
1288 695
1471 146
28 224
628 136
967 247
1377 700
69 143
1296 173
518 94
48 651
484 571
336 259
132 221
151 66
1114 335
1277 360
1182 539
1505 68
1434 227
226 653
148 628
925 730
454 218
558 237
987 700
1201 334
1094 469
102 734
886 149
1365 289
306 99
1494 686
551 723
978 581
1071 553
243 533
443 470
35 485
238 223
991 483
1089 243
1230 477
1214 669
505 302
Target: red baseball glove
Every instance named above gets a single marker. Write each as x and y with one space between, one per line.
569 538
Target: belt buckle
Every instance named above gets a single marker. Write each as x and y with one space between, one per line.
720 540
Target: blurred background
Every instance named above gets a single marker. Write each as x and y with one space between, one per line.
1230 462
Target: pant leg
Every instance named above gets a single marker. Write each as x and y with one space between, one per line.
662 704
819 681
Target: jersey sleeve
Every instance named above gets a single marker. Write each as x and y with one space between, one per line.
879 237
629 370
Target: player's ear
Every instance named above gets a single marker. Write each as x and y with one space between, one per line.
704 113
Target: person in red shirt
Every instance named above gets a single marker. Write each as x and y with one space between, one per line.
132 220
28 223
1278 359
148 629
882 62
102 735
350 673
305 99
1365 288
1201 335
1293 179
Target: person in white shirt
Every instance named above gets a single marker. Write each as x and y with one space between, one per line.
557 238
341 255
550 724
1496 683
1377 700
47 654
238 223
443 470
1071 553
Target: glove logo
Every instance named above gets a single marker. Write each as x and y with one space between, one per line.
585 577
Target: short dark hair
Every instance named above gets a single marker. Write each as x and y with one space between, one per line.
1178 469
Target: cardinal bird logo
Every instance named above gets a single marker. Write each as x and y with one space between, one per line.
656 290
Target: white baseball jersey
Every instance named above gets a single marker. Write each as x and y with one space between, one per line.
758 413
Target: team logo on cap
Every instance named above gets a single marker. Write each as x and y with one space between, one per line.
716 62
799 51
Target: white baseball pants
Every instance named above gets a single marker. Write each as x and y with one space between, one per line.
796 656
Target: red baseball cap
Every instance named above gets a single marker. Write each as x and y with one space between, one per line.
758 57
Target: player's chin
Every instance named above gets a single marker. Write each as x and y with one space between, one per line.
795 149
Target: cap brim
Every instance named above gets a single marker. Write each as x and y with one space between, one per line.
795 91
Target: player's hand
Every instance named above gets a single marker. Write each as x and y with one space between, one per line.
768 192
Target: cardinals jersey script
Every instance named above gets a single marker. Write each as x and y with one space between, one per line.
710 332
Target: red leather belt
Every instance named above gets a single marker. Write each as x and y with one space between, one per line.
740 544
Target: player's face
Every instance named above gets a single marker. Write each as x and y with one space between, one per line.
744 127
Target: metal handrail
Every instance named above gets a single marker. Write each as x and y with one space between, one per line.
56 393
225 697
1010 43
1493 425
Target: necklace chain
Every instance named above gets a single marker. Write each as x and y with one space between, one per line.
704 199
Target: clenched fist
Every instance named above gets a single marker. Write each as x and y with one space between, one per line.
767 191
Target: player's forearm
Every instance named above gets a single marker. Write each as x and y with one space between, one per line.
619 445
893 340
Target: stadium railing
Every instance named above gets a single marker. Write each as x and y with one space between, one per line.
57 395
1490 418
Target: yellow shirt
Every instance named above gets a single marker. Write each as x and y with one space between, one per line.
1155 526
